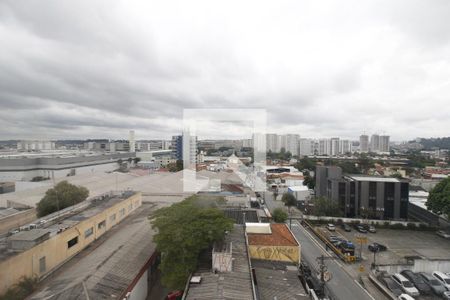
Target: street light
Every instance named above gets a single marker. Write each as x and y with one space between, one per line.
376 250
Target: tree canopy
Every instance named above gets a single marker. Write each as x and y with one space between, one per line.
282 155
61 196
175 167
308 180
185 229
326 207
279 216
439 198
289 200
306 163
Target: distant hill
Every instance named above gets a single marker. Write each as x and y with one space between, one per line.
441 143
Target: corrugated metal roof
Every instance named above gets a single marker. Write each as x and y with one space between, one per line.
277 280
228 285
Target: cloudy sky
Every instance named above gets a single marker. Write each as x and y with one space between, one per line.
87 69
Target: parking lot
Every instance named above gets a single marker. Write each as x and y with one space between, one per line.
402 243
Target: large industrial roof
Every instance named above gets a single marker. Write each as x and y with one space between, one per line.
108 267
29 235
73 216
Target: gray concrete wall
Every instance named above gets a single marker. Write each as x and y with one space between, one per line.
419 265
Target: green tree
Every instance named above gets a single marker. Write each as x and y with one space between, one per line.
326 207
289 200
175 167
349 168
21 290
439 198
186 229
364 163
279 215
306 163
61 196
309 181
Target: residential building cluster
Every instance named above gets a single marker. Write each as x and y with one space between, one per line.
377 144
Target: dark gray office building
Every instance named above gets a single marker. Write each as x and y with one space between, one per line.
374 197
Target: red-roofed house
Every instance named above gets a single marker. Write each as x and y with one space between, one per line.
272 242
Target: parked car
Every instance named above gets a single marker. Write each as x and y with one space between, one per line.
372 229
361 229
417 280
405 297
436 286
347 247
443 278
446 295
444 234
376 247
346 227
335 239
393 286
331 227
405 284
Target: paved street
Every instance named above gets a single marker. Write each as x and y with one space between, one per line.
341 285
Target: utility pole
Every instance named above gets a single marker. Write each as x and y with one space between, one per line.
290 218
323 271
374 265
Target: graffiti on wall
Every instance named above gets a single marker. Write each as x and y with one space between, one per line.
275 253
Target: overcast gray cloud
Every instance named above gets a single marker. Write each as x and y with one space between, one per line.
84 69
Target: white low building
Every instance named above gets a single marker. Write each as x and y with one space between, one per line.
300 192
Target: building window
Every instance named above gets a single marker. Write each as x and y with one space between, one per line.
102 224
112 218
404 191
42 266
88 232
130 207
372 195
72 242
122 212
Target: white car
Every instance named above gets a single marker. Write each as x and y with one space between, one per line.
405 297
446 295
331 227
443 278
405 284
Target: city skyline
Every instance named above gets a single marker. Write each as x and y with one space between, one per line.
320 69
